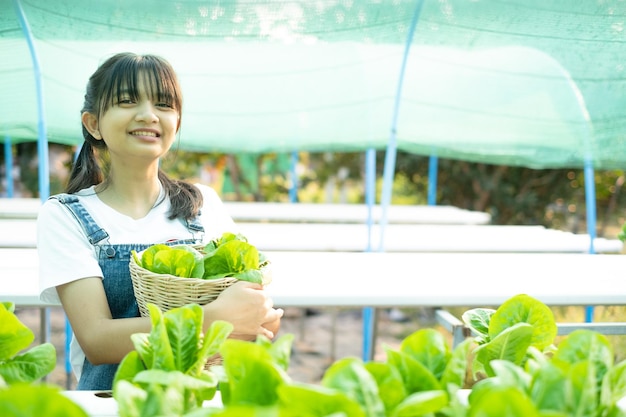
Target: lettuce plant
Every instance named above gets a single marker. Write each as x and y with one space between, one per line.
165 374
23 399
29 365
579 380
22 394
228 256
508 332
521 373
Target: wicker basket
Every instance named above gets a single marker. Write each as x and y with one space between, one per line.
168 291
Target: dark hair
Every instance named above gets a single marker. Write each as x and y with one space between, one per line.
117 75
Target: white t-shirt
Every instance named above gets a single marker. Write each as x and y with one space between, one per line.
65 254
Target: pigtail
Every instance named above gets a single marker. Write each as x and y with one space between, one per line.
185 198
85 171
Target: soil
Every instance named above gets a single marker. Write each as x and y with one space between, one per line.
314 348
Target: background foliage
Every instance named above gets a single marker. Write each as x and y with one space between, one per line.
554 198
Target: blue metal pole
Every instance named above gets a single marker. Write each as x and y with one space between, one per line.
42 141
369 315
390 155
370 192
8 164
590 186
590 197
293 190
388 172
432 180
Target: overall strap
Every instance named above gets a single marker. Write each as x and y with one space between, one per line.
195 226
94 232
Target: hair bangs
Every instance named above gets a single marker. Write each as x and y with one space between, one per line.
159 82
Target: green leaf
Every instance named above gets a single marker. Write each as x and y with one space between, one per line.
506 375
511 345
350 376
525 309
590 348
31 365
279 349
585 345
511 374
252 376
231 257
198 268
141 342
390 385
14 335
136 258
614 411
477 320
130 366
416 377
583 390
548 388
179 379
28 400
147 256
423 403
301 400
213 339
614 385
9 306
428 347
456 369
501 402
130 399
177 262
163 357
239 411
184 332
250 275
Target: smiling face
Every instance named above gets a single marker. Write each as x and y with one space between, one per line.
133 107
140 121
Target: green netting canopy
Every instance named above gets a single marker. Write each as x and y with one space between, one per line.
531 83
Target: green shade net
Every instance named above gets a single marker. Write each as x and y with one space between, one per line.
531 83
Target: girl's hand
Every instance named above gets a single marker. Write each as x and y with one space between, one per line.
248 308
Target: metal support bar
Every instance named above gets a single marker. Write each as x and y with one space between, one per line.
615 328
453 325
460 331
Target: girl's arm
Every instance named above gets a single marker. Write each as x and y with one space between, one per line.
102 338
107 340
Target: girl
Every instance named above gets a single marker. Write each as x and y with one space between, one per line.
117 200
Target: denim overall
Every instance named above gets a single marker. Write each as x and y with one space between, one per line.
113 259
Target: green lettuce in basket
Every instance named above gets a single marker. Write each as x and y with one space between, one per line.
228 256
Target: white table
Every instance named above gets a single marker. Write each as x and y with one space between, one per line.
326 237
27 208
354 279
352 213
445 279
353 237
102 404
19 208
18 233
